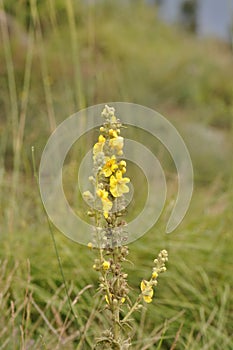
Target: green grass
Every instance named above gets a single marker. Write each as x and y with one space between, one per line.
194 294
66 56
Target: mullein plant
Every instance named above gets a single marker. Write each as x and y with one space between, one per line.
107 204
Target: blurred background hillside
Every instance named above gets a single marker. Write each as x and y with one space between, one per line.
172 56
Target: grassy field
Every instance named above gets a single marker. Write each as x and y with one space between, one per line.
59 57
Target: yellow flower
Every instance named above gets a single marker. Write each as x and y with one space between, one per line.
144 285
112 133
106 265
123 163
122 300
117 143
118 184
154 275
122 166
98 147
110 166
147 291
103 194
107 204
148 298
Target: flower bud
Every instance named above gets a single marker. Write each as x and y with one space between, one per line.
106 265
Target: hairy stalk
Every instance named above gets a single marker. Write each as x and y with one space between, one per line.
116 311
107 206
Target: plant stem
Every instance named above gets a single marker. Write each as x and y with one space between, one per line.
116 310
133 308
116 321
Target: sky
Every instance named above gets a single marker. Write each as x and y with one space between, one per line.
214 17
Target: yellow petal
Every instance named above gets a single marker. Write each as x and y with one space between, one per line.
147 299
101 139
115 192
107 172
107 205
154 275
119 175
125 180
114 167
98 147
103 194
113 181
106 298
123 189
143 285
